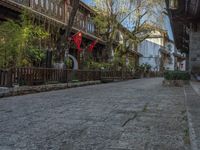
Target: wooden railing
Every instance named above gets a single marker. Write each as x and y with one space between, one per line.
36 76
59 11
39 76
23 2
5 78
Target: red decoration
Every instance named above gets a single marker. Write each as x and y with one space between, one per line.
77 38
92 45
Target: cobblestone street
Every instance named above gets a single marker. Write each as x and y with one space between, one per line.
130 115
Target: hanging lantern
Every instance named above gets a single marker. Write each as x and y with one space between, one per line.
173 4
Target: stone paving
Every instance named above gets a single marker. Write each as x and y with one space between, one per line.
22 90
131 115
193 104
3 90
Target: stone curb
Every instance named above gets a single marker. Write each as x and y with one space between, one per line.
23 90
176 83
192 103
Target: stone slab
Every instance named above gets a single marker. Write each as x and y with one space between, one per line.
130 115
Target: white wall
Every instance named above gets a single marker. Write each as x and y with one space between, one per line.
149 48
171 64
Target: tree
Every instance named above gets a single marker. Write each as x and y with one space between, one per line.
9 39
113 15
146 16
64 42
20 43
130 17
109 16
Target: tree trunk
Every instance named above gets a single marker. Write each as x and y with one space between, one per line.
63 43
110 50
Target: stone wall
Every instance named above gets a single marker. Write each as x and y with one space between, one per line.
194 62
22 90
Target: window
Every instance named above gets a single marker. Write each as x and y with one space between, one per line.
92 27
36 2
20 1
88 27
56 9
47 4
170 60
52 6
83 23
60 12
67 16
173 4
42 3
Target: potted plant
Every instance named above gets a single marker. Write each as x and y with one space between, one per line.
140 71
176 78
147 68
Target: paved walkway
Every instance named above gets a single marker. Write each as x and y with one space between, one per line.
193 108
132 115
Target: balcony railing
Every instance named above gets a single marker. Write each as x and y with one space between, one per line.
23 2
40 76
60 12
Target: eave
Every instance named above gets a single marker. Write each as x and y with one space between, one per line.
188 12
19 7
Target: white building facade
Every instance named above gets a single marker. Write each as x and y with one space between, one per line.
170 65
160 52
149 48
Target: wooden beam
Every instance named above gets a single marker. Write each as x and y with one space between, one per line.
6 13
18 7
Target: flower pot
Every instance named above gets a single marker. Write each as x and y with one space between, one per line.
142 75
148 75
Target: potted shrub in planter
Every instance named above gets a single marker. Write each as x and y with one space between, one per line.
140 71
147 69
176 78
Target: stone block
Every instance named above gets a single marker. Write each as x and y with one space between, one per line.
176 83
194 50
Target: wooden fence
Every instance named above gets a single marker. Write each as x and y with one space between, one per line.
39 76
5 78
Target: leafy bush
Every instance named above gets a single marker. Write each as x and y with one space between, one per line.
176 75
147 67
35 56
141 68
98 65
20 42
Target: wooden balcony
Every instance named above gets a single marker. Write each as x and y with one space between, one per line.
58 12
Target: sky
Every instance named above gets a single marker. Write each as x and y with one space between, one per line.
167 22
87 1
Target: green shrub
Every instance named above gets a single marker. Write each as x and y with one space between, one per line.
20 43
176 75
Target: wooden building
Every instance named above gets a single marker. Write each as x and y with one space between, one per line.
53 16
130 46
185 21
